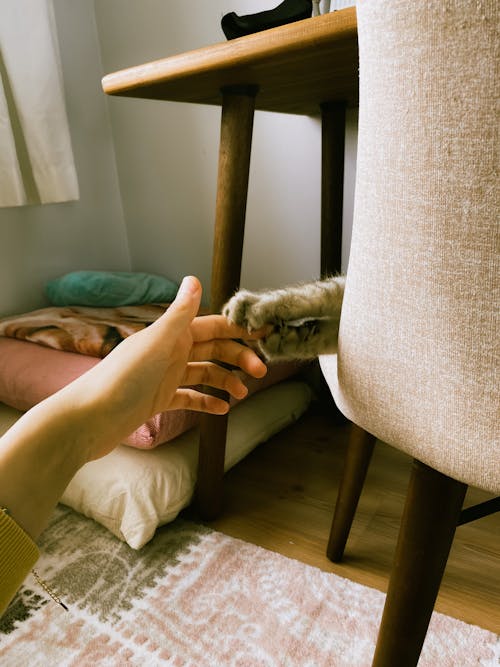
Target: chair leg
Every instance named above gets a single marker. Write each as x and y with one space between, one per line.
358 456
430 517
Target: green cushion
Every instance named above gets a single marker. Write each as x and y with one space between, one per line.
108 289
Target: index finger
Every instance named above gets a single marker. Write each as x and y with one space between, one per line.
210 327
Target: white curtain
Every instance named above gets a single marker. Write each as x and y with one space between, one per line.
36 158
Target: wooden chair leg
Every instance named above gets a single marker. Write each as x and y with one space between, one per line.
232 187
430 517
357 460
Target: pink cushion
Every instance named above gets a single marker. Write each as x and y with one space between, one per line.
30 372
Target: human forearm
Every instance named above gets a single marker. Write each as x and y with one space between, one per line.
39 456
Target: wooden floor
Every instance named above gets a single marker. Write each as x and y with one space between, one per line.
282 495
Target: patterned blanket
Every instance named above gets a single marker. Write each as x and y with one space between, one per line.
90 331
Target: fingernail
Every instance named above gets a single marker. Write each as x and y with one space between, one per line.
189 285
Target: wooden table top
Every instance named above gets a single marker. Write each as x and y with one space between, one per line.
296 68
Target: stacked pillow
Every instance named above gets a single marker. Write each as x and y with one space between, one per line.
109 289
30 372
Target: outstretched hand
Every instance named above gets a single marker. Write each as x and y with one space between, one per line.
213 338
157 369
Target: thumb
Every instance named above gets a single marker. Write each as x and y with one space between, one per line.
186 304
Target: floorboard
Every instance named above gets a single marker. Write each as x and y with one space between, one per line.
281 497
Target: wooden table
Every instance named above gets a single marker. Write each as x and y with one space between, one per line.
309 67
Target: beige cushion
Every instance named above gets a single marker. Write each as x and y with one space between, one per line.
419 340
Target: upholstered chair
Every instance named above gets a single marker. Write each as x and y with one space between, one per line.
419 338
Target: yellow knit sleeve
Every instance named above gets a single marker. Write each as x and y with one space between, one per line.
18 554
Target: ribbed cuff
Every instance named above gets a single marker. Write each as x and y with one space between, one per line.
18 554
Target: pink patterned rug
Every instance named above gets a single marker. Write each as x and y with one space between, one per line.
199 598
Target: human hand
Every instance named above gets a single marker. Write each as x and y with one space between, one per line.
156 369
212 337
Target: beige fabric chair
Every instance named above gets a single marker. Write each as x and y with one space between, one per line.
419 339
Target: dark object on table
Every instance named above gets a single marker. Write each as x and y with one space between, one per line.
287 12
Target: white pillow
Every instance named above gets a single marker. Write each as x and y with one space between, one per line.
132 492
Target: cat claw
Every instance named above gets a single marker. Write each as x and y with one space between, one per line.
238 310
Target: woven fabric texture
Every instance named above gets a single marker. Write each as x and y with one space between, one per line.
419 343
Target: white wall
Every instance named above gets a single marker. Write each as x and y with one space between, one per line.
156 212
38 243
167 157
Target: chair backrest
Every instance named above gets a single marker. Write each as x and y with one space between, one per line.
419 343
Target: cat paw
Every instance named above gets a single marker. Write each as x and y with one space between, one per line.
287 343
241 310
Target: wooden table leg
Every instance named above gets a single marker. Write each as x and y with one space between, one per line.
232 187
332 185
